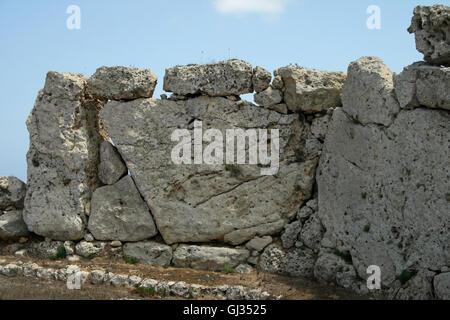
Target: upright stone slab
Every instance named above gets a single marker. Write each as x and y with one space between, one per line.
63 157
431 27
201 202
383 195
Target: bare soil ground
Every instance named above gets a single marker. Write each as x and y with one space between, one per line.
289 288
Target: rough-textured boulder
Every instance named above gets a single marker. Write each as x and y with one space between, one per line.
442 286
201 202
149 252
261 79
208 258
119 213
12 225
111 167
328 265
431 26
12 192
122 83
63 157
312 232
232 77
269 97
258 244
368 94
89 249
311 91
291 232
382 194
423 85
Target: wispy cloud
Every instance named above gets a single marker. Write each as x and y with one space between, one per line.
242 7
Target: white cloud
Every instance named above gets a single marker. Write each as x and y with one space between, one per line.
240 7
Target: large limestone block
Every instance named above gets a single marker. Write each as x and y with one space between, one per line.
12 225
12 192
431 27
203 202
369 95
111 167
383 195
63 157
122 83
232 77
149 252
311 91
119 213
423 85
261 79
208 258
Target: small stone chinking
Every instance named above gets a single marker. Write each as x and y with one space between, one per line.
362 178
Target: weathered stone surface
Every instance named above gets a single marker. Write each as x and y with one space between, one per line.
258 244
281 108
382 194
200 203
419 287
89 249
261 79
208 258
111 167
368 94
122 83
269 97
278 83
431 26
442 286
311 91
119 213
12 192
319 127
423 85
312 232
63 157
327 267
149 252
232 77
12 225
291 232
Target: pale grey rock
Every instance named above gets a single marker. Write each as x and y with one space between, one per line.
63 157
232 77
69 246
21 253
312 232
196 291
11 270
298 263
203 203
116 244
368 94
381 191
241 235
89 249
269 97
149 252
30 269
313 204
180 289
319 127
149 283
431 26
46 274
304 213
253 260
122 83
327 266
235 293
419 287
134 281
442 286
162 288
261 79
208 258
347 278
119 280
73 258
290 235
258 243
243 268
423 85
44 250
89 237
12 225
12 192
60 274
119 213
281 108
111 167
311 91
278 83
97 277
271 260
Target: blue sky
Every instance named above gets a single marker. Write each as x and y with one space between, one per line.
320 34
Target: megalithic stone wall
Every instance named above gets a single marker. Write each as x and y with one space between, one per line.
363 177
